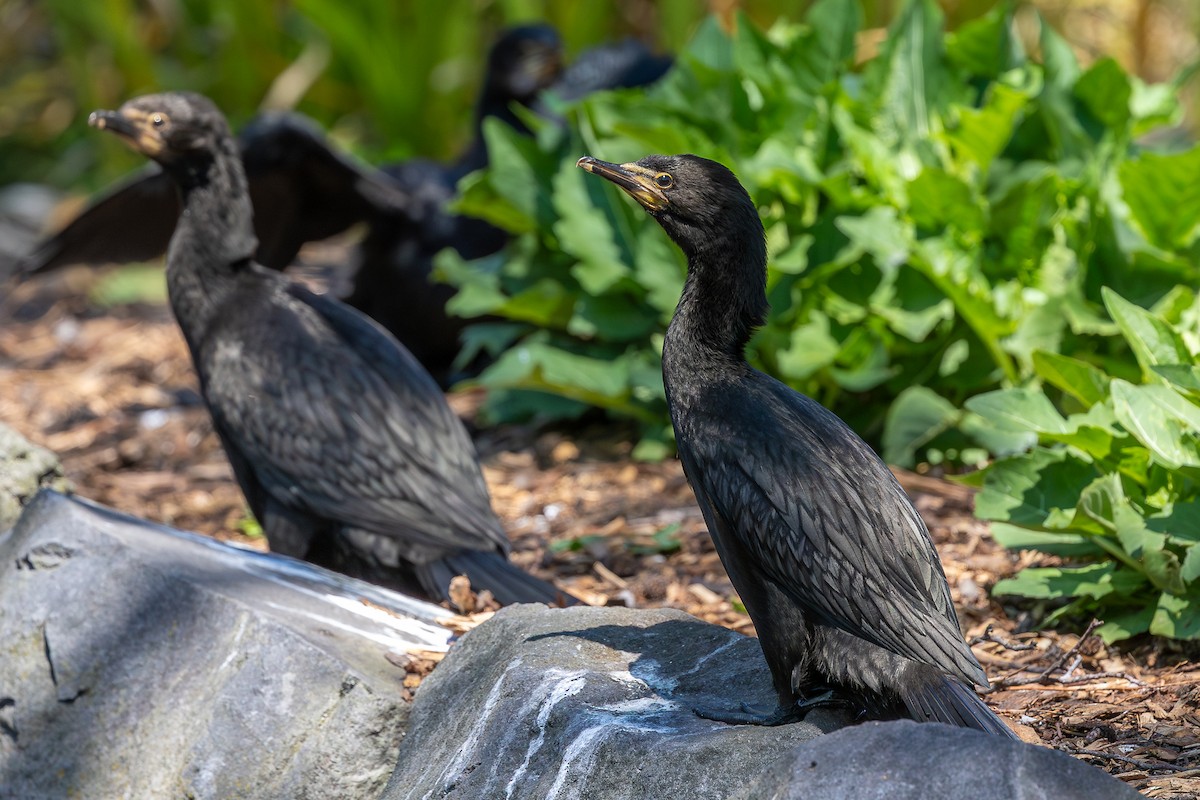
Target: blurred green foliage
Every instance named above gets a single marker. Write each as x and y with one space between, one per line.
934 217
388 78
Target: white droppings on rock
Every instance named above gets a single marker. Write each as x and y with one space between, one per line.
567 685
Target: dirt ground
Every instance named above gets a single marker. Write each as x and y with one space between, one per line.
111 390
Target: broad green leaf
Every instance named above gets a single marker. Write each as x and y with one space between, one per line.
937 199
584 231
1180 522
545 303
1125 625
811 349
660 270
825 54
1081 380
1189 571
513 173
865 372
492 338
1094 432
1185 376
478 198
1163 196
904 82
1019 409
710 47
613 317
1105 91
1029 489
1177 617
872 156
1062 68
1073 545
1094 580
985 47
916 417
994 439
979 135
478 282
1163 420
1153 341
880 234
1056 104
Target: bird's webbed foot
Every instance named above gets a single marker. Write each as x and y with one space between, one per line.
747 714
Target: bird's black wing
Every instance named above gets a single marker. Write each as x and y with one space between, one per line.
133 221
615 65
304 190
827 521
335 418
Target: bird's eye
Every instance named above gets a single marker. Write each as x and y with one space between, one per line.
158 120
664 180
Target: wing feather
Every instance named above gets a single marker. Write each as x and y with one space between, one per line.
827 521
337 419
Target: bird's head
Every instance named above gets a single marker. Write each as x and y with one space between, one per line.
697 201
167 127
524 61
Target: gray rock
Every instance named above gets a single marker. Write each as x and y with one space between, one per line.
904 760
24 469
597 703
137 661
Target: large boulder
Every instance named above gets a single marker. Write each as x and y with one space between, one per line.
598 703
138 661
25 468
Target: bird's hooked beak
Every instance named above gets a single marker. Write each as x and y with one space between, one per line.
131 125
636 180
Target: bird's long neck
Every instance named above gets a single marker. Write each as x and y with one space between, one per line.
214 237
723 301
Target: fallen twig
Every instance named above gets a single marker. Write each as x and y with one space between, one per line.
1044 675
988 636
1092 676
610 576
1134 761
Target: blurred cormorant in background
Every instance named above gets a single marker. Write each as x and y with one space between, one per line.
831 559
344 447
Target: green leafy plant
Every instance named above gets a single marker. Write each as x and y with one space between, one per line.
1112 486
934 216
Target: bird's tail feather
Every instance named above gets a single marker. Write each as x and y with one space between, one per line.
937 697
489 570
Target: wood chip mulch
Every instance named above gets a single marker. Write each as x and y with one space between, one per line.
111 390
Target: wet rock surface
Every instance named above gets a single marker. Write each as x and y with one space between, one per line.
137 661
597 703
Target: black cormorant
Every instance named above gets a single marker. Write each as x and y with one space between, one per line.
831 559
344 446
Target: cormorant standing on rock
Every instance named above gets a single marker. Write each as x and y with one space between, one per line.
833 563
344 446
